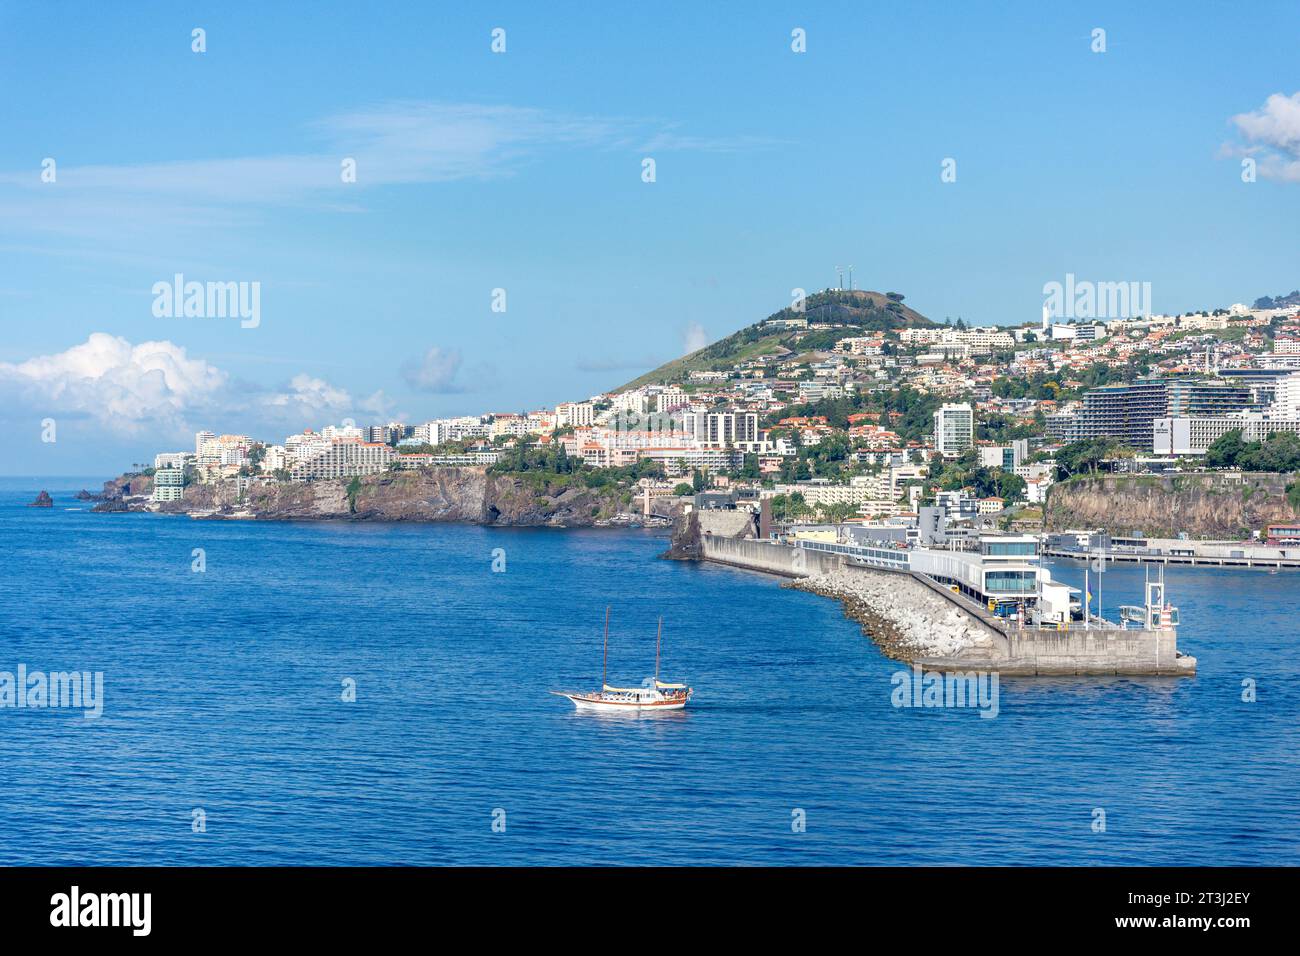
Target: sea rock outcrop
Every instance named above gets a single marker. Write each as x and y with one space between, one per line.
43 500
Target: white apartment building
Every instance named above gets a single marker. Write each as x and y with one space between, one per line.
305 445
345 459
861 345
816 391
1036 490
221 451
342 431
671 398
1007 457
718 429
1194 436
900 475
510 425
639 401
577 414
1203 322
172 459
954 428
678 460
274 458
981 340
1286 397
455 429
168 484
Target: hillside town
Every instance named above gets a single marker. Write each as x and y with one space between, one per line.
852 409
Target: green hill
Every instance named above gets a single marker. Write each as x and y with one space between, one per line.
858 311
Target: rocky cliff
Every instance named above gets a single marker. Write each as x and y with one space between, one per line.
1208 505
688 529
471 495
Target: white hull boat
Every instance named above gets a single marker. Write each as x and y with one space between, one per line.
654 696
626 699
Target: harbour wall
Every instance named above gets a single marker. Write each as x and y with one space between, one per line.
1202 555
916 619
767 556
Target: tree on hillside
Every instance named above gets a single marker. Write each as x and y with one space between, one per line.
1084 456
1279 452
1223 453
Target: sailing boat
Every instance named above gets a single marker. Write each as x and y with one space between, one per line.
653 697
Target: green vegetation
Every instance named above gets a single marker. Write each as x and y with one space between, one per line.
354 487
791 507
905 410
549 470
1045 386
1085 457
1279 452
864 311
984 482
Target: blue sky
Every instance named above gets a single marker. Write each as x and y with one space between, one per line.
522 171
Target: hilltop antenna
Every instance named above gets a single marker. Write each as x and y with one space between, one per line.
839 271
850 278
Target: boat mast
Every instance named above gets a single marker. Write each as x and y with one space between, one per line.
604 664
658 640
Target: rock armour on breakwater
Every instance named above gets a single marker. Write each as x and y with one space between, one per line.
904 617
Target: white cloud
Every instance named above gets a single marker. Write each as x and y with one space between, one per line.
392 144
1273 135
695 339
306 393
436 372
157 388
120 385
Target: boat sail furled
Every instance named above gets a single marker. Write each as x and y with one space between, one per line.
656 695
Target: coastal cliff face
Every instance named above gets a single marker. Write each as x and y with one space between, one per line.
1219 505
688 530
470 495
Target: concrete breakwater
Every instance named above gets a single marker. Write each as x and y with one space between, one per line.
908 620
920 622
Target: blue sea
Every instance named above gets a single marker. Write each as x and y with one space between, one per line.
223 704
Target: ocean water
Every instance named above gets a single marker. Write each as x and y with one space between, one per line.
222 693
